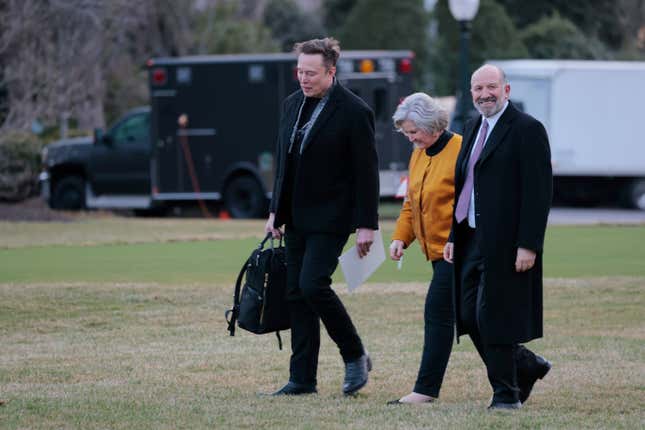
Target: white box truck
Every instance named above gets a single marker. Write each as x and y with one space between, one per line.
594 113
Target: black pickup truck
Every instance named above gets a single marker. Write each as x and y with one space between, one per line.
209 134
111 170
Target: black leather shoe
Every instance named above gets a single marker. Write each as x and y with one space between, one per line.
527 376
293 389
356 374
504 406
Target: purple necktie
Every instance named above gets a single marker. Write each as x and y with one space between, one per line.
464 197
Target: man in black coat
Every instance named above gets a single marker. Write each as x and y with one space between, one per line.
503 191
326 187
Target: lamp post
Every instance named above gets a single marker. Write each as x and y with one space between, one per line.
463 11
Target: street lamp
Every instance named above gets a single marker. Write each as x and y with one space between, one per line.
463 11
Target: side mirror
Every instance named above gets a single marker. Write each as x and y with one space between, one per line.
101 138
98 135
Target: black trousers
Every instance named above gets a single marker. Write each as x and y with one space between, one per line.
438 330
499 358
311 260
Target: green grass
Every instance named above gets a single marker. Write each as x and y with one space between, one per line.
121 326
569 252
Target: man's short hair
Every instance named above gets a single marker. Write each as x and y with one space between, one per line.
328 47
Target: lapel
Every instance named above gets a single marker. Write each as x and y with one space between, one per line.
325 114
291 116
499 132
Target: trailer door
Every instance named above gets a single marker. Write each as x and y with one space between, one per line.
168 159
393 152
376 93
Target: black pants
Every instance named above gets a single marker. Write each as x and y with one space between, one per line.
311 260
499 358
438 330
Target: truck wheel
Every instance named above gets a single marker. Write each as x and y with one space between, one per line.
244 198
635 194
69 193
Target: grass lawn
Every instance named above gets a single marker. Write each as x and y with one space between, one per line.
118 323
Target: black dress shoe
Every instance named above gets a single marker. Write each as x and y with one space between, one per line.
294 389
504 406
527 376
356 374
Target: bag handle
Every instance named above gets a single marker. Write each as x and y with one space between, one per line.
236 300
271 243
267 237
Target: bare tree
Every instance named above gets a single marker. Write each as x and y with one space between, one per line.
51 54
59 55
85 59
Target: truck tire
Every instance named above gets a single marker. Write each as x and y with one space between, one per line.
244 198
635 194
69 193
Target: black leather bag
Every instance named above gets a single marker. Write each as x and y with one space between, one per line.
260 306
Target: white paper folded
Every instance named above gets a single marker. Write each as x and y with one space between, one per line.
355 269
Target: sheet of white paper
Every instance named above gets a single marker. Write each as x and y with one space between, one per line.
356 269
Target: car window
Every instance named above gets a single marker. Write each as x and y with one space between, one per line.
132 130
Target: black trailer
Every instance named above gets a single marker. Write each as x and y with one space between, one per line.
210 133
214 122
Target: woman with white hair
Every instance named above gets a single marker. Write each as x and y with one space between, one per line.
426 216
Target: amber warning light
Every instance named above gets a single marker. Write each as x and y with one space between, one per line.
366 66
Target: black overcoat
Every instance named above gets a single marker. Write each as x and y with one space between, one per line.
336 183
513 192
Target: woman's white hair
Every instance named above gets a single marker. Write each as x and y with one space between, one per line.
424 111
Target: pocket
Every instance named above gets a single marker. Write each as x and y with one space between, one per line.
251 304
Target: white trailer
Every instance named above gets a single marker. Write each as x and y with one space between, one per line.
594 113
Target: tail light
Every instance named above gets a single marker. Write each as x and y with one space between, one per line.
405 65
159 76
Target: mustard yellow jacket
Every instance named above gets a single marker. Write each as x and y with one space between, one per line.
426 214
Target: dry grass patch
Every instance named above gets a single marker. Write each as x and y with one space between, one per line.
90 231
124 230
127 356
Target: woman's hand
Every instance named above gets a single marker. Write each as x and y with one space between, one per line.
396 250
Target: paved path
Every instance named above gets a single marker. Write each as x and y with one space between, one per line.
587 216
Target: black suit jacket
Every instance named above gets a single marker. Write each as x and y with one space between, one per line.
513 191
337 180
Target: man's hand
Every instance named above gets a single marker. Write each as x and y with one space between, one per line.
268 227
525 260
449 252
364 239
396 249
